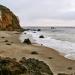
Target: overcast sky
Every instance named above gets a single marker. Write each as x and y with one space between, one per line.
43 12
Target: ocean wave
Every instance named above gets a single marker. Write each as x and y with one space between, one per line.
63 47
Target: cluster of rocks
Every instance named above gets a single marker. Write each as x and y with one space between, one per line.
24 66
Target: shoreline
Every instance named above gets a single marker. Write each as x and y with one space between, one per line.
65 48
57 62
14 49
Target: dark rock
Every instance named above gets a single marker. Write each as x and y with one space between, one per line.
25 66
10 66
39 30
41 36
27 41
36 67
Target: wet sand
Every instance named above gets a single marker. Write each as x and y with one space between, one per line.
10 46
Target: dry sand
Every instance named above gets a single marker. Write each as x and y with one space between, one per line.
10 46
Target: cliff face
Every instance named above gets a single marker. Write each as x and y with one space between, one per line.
8 21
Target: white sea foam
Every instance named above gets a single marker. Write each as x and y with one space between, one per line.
63 47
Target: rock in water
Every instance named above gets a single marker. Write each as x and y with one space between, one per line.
8 21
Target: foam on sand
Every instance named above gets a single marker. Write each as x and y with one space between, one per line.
63 47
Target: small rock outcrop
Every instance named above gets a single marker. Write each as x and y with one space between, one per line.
25 66
8 21
27 41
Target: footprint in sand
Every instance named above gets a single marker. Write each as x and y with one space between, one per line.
8 44
2 37
69 68
34 52
6 41
50 57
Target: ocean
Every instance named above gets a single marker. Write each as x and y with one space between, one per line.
62 39
59 33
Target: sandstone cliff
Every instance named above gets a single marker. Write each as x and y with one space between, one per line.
8 21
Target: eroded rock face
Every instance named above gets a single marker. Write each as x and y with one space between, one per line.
25 66
8 21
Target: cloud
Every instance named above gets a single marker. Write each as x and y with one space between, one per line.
51 22
35 10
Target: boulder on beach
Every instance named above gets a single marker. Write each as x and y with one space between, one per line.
41 36
25 66
26 38
8 21
27 41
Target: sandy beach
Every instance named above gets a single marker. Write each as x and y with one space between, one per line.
10 46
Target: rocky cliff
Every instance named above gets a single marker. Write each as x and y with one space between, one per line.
8 21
